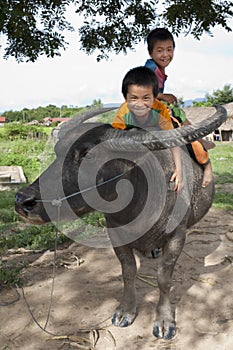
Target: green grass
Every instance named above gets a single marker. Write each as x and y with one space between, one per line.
10 274
7 214
107 117
223 200
222 162
23 153
31 237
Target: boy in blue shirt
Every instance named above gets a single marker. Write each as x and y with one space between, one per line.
161 46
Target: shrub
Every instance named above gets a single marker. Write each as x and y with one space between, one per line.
19 131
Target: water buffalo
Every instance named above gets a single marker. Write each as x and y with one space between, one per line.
126 175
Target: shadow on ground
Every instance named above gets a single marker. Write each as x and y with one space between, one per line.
88 288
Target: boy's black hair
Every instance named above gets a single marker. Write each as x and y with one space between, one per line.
141 76
158 34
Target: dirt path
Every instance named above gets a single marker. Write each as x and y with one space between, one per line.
88 287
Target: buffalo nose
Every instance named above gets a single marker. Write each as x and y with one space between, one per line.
18 198
26 203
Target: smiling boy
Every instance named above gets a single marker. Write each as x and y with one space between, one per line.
142 109
161 46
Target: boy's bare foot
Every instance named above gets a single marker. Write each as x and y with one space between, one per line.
208 175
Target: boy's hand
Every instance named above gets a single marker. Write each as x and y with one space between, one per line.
178 182
169 98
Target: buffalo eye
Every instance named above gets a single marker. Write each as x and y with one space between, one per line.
84 154
87 156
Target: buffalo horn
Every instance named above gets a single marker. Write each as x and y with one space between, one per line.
162 139
81 118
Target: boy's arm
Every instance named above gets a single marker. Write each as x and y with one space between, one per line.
165 121
177 175
166 124
118 120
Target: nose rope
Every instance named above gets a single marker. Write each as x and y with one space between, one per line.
58 202
44 328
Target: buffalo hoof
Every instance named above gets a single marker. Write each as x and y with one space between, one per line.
123 319
164 330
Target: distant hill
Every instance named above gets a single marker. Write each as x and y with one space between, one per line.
189 103
108 105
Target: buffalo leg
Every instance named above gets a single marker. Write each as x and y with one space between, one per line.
125 313
164 325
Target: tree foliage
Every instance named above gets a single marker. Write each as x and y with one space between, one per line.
39 113
51 111
219 96
37 27
33 27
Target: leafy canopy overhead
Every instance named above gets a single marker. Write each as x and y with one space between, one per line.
31 28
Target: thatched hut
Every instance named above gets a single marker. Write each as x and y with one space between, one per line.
225 131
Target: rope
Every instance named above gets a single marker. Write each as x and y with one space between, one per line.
33 317
54 269
52 286
58 202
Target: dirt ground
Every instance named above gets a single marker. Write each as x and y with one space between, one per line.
88 288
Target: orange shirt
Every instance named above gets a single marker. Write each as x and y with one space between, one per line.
159 110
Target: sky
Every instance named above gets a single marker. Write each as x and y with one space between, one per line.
76 79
